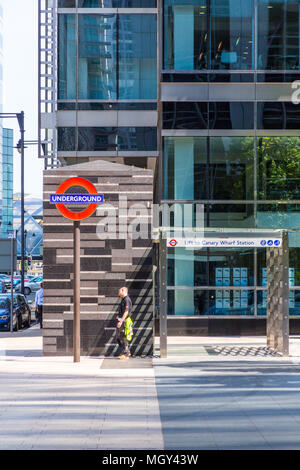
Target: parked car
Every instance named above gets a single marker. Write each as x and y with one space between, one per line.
21 312
16 280
29 286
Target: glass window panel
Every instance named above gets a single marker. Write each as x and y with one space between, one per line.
66 3
232 34
137 57
278 115
278 34
210 302
117 3
97 138
187 267
231 115
231 168
66 139
185 215
231 267
66 106
66 57
214 267
185 34
185 168
97 57
230 215
184 77
279 77
181 115
137 138
294 302
278 168
278 216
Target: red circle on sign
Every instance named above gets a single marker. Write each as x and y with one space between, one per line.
84 184
173 242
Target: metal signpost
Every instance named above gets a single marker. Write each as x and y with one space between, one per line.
60 199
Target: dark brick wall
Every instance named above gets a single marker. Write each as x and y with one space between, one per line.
106 265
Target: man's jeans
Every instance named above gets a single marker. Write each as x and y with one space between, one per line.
122 340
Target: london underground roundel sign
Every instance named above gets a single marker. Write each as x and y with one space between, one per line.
92 198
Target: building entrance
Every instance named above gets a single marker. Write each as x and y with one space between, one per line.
221 277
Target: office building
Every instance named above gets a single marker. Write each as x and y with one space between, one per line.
204 93
7 181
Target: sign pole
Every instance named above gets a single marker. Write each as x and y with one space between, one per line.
76 293
92 199
12 285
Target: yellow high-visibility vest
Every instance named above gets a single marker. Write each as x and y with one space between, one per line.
128 330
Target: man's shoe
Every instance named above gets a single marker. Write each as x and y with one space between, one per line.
123 356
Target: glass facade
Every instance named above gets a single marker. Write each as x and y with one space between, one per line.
7 181
115 56
223 35
262 172
229 128
107 62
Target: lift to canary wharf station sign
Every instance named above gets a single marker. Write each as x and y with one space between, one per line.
276 244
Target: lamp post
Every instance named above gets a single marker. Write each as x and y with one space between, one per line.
21 147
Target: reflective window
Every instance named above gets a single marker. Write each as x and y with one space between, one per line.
232 34
137 57
137 138
66 139
185 168
278 115
231 115
67 57
66 3
230 215
214 267
278 34
278 216
117 3
97 139
185 34
219 168
97 57
231 168
210 302
185 115
279 77
114 139
278 168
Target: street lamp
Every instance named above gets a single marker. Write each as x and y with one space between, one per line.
21 147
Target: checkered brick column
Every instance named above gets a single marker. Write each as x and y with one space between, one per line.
278 297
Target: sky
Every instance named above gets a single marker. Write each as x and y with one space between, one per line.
20 83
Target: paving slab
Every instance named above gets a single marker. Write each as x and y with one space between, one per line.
210 393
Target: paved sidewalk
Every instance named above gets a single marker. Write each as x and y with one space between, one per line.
53 403
210 393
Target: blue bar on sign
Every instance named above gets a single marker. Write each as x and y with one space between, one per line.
76 198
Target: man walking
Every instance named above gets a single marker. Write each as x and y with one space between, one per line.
124 311
39 298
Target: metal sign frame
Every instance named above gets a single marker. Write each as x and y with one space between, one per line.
277 328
